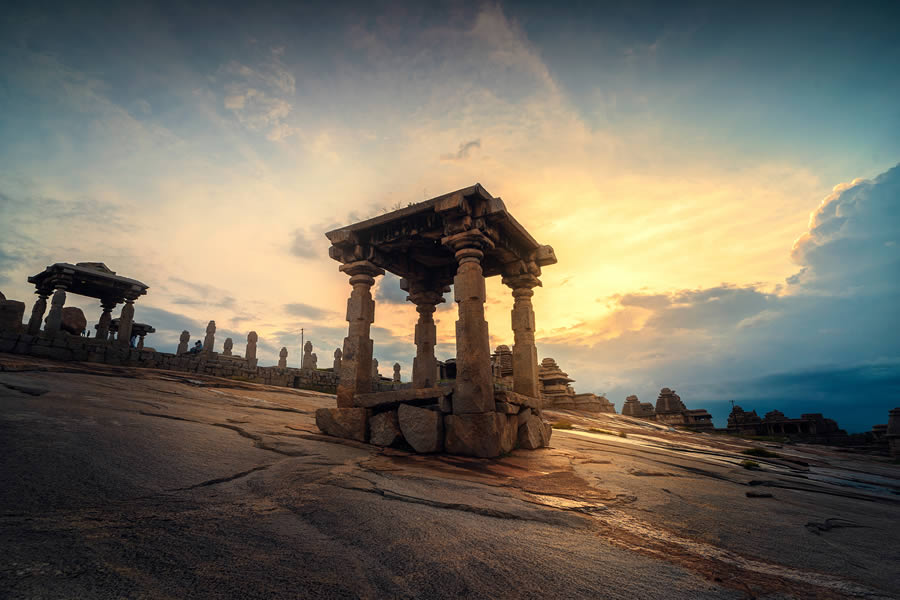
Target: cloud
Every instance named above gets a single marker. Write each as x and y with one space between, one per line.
298 309
465 149
389 291
852 243
303 245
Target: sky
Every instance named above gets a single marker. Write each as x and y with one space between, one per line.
719 180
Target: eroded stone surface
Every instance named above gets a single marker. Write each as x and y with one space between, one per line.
480 434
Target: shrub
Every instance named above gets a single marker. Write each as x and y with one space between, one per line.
750 464
562 425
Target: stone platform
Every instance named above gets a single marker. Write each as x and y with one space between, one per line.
423 420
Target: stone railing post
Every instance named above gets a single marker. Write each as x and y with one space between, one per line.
37 312
250 353
105 318
525 363
126 319
54 318
183 341
474 392
209 341
356 357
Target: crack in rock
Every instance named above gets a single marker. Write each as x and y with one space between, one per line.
219 480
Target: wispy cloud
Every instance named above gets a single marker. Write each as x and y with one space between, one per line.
465 149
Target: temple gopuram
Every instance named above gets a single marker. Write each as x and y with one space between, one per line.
459 238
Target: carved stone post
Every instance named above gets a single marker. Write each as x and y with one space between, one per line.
183 342
126 319
426 300
54 318
474 392
37 312
226 349
336 366
396 372
306 361
105 318
356 358
282 358
250 353
525 363
140 345
210 340
375 374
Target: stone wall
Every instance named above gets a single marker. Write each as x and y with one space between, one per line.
66 347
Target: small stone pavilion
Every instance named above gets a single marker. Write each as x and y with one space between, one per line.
91 279
459 238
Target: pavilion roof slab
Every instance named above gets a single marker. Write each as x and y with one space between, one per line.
94 280
408 241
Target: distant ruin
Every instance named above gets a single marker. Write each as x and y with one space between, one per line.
460 238
669 410
810 427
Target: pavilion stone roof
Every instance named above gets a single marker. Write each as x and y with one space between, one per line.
407 242
91 279
136 328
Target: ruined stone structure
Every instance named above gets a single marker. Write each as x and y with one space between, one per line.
635 408
502 359
588 402
555 388
672 411
282 358
461 237
810 427
11 314
141 330
92 279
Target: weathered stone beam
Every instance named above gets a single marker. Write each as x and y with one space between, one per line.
379 399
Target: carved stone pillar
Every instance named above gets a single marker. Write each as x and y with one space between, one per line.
356 357
126 319
397 372
105 318
54 318
140 345
525 363
426 298
474 392
282 358
37 313
226 349
336 365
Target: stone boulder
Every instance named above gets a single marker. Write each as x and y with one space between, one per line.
73 320
384 429
485 435
11 314
533 434
422 428
348 423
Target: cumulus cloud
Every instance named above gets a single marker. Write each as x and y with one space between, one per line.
302 244
389 291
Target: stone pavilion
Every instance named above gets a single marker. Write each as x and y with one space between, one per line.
459 238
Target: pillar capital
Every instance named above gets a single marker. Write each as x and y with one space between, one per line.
466 243
522 284
361 271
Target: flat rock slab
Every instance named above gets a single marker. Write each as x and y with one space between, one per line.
348 423
517 399
378 399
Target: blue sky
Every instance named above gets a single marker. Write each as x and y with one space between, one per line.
716 178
